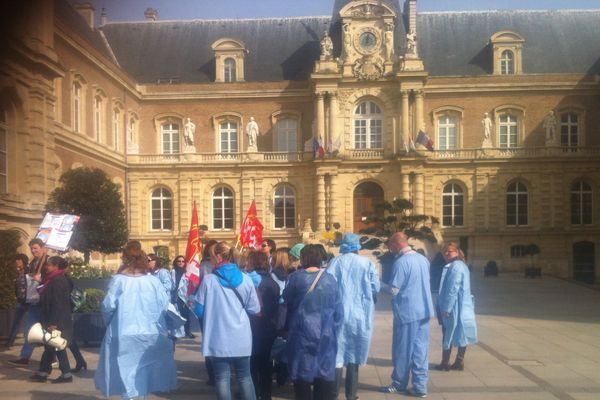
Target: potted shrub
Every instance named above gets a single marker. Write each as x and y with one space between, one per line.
9 243
88 322
87 276
531 251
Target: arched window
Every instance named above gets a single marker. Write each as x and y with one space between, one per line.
507 63
517 204
284 206
287 134
447 132
170 138
162 210
222 200
509 131
76 98
230 70
116 128
98 106
368 126
453 205
228 137
569 129
581 203
3 152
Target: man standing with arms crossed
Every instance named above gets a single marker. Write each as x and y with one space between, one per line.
413 309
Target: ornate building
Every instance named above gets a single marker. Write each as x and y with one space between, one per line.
317 119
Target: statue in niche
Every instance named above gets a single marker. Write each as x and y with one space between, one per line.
389 42
347 39
550 126
252 131
326 47
188 132
487 124
411 42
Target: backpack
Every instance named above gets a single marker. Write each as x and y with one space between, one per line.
78 297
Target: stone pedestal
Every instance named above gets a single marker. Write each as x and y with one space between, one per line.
326 66
412 64
487 143
133 148
252 148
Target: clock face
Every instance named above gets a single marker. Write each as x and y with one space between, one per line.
367 41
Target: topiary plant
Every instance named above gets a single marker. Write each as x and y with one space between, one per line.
93 301
9 243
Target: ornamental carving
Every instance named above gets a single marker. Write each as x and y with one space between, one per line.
367 11
367 70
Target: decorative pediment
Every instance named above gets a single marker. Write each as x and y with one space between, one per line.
367 9
228 44
507 37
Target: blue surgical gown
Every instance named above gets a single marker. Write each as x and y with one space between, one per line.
136 357
455 298
358 281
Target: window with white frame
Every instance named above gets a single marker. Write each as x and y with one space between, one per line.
569 130
509 131
3 152
517 204
222 207
453 201
170 138
162 210
368 126
507 63
131 130
76 99
98 103
229 70
447 132
116 128
228 137
581 203
284 207
287 134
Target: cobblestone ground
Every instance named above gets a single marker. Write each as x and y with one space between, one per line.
539 339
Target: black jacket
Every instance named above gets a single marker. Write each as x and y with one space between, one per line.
56 306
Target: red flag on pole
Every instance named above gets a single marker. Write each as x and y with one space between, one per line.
252 229
193 254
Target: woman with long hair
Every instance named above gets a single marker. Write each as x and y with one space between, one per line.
223 302
136 357
177 272
455 308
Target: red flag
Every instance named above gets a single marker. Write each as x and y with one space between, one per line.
193 254
252 229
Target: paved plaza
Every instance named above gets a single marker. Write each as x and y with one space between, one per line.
539 339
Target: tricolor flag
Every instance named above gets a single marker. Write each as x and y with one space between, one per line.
252 229
423 139
318 149
193 255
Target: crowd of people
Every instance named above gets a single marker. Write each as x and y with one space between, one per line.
296 313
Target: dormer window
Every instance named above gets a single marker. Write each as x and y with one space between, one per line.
229 60
507 49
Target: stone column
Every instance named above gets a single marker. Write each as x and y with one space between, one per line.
333 202
320 116
334 135
321 202
406 186
418 110
419 193
405 118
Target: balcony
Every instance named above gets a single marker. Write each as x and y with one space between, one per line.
512 153
233 158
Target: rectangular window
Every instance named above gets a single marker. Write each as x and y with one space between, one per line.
447 137
229 137
569 130
287 131
116 133
98 118
509 132
360 134
170 139
76 112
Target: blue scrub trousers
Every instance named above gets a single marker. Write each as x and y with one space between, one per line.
33 317
410 354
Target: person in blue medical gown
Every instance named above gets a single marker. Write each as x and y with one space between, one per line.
136 357
413 309
455 308
314 316
358 283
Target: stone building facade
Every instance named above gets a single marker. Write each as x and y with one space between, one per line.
339 103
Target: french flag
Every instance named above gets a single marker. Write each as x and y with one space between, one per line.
318 149
423 139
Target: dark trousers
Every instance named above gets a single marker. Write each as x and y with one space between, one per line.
48 356
261 367
351 381
79 360
20 312
185 313
323 390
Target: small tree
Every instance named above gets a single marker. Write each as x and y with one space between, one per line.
90 194
9 243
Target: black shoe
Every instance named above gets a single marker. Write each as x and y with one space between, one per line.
191 335
79 367
20 362
38 378
62 379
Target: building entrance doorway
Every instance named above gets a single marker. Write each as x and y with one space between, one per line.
366 196
584 260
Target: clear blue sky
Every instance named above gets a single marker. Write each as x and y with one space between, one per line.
133 10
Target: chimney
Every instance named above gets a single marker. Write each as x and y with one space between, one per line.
103 18
151 14
86 10
410 13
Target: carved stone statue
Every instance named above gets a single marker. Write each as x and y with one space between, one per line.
252 131
411 43
326 47
550 126
347 39
487 124
389 42
188 132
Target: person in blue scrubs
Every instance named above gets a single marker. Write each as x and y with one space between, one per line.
136 357
358 283
413 309
455 308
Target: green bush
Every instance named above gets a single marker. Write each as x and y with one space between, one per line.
9 243
93 301
79 270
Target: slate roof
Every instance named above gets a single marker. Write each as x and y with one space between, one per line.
450 43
